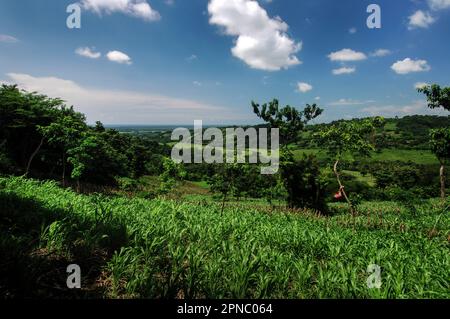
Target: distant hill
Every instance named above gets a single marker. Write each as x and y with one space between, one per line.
409 132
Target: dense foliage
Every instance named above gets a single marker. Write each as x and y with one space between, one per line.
43 137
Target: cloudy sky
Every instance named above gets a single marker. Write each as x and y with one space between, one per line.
173 61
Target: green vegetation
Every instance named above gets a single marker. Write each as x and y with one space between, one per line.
160 248
141 225
349 137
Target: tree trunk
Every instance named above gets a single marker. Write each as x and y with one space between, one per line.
442 177
342 187
3 143
32 157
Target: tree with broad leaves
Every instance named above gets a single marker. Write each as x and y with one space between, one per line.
64 133
81 157
440 145
172 173
438 97
225 181
354 137
291 122
20 115
288 119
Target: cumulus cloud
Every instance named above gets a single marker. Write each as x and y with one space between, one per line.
381 53
439 4
88 53
118 57
8 38
262 42
344 70
304 87
121 106
347 55
409 66
420 19
136 8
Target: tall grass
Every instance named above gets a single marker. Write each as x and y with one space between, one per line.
166 249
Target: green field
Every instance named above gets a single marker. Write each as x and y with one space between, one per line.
414 156
161 248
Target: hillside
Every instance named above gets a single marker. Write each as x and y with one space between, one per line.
161 248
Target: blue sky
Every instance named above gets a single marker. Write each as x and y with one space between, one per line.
173 61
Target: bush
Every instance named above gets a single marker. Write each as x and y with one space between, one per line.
127 184
304 184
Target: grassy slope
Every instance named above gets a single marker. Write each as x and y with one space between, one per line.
415 156
175 249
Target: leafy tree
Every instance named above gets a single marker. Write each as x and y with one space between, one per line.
303 182
288 119
438 97
80 157
172 173
348 137
64 133
440 145
32 124
226 181
273 189
291 123
22 114
95 160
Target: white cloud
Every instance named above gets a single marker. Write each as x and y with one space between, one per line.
352 30
88 53
317 98
415 107
349 102
118 57
439 4
346 55
197 83
344 70
262 42
304 87
420 19
420 85
408 66
123 107
192 58
136 8
8 39
381 53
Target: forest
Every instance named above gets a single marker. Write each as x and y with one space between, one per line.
349 194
